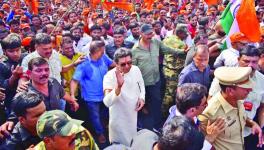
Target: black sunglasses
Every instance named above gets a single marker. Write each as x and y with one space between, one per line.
127 63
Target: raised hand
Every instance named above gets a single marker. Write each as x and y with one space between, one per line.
119 78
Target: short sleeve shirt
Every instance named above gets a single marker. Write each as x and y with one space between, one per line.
54 64
68 75
90 75
232 137
256 96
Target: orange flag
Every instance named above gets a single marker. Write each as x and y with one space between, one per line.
94 3
247 20
211 2
33 4
149 4
121 5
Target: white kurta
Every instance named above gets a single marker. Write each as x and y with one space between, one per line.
228 58
122 113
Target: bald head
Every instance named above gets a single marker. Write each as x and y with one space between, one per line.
202 49
201 57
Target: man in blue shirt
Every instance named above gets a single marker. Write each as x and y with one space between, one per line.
89 75
198 71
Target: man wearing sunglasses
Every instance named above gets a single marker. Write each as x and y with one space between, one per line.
124 95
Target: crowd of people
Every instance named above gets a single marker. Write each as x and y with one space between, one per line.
75 76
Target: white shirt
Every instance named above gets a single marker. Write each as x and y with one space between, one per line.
55 65
169 33
228 57
164 31
122 113
109 39
256 96
86 48
79 47
158 37
189 41
132 39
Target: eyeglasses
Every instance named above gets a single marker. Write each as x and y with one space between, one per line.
126 63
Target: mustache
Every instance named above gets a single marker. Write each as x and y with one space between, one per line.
44 77
48 53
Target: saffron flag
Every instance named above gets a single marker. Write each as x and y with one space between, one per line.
121 5
211 2
149 4
33 4
240 16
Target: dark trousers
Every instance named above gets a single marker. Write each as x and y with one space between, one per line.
2 114
95 115
153 105
251 142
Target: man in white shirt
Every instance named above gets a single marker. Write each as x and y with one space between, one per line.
79 41
125 96
43 49
229 56
134 37
107 38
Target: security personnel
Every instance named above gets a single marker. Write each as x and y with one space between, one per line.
235 86
59 131
173 64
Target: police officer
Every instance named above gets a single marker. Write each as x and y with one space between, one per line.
235 86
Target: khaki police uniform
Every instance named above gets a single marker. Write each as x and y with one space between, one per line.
232 137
